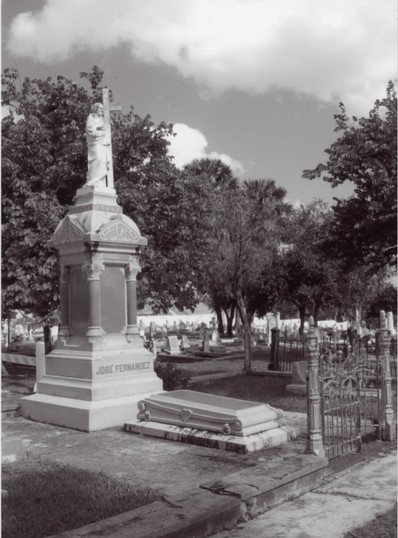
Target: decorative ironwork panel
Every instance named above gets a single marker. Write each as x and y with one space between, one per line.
350 395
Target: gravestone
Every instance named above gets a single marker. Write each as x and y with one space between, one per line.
299 378
206 343
202 331
185 342
172 345
215 338
99 368
152 328
390 323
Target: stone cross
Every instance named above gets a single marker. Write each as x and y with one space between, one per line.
108 108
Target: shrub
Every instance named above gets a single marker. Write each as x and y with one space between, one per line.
173 378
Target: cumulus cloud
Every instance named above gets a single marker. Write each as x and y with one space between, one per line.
329 50
189 144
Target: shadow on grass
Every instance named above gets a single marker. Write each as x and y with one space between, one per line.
270 390
46 498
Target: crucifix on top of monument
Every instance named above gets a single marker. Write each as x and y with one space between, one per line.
99 142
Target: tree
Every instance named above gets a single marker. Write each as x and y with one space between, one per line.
168 207
42 150
358 294
45 162
384 299
310 276
245 241
215 178
364 230
214 171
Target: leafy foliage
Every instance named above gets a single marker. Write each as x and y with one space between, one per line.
364 231
309 276
246 237
173 378
45 162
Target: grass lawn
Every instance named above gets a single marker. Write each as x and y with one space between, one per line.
270 390
46 498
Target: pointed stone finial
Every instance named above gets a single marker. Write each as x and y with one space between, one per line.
383 320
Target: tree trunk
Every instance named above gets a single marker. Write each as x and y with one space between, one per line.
230 321
9 332
316 314
47 338
220 322
302 310
246 335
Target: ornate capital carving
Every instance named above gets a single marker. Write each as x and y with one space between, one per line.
132 268
93 266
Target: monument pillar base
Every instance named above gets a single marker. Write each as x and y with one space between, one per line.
79 414
92 389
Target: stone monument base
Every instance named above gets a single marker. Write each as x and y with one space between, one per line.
208 420
92 386
79 414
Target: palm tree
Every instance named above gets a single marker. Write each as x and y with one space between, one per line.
216 171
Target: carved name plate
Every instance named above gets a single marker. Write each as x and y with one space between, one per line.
123 367
192 409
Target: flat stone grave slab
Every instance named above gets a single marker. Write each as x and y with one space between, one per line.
210 420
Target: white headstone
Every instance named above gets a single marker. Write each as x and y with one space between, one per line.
184 342
40 362
172 346
215 337
390 323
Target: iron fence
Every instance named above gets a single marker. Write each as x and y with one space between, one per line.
350 389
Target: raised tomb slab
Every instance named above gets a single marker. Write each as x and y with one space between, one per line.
208 420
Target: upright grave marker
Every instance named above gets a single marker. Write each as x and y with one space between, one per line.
99 368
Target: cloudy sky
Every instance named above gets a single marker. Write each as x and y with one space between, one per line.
253 82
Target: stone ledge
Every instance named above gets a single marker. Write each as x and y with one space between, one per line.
195 516
264 486
231 443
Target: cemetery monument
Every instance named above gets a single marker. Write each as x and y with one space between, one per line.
100 375
99 368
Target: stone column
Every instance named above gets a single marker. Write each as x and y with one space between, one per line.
132 270
383 343
64 329
93 269
314 435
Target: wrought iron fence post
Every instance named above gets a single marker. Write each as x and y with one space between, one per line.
314 432
383 342
273 365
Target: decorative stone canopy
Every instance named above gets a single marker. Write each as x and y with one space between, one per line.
96 217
